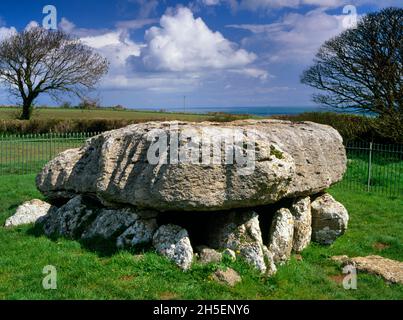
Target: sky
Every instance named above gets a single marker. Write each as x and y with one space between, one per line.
217 53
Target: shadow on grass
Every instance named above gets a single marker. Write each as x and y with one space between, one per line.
101 247
13 207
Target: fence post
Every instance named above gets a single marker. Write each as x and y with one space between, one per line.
50 144
369 166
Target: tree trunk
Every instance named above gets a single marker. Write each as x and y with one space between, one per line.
26 109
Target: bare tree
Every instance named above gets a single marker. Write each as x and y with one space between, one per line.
39 61
361 69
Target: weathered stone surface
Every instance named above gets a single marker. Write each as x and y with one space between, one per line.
390 270
271 268
343 259
140 233
240 232
281 236
113 180
29 212
228 277
329 219
69 220
109 224
269 260
173 242
292 159
81 218
301 211
208 255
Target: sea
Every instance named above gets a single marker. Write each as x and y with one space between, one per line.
258 111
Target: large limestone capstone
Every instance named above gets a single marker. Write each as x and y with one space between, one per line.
329 219
283 159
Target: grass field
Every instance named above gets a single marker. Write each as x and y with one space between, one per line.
59 120
29 154
386 174
77 114
83 274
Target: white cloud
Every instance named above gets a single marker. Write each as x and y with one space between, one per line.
253 73
7 32
177 56
117 47
211 2
69 27
101 41
266 5
32 24
185 43
66 25
166 82
296 37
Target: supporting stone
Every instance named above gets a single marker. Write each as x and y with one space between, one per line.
301 211
329 219
173 242
281 236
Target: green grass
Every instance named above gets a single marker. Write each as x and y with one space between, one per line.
386 171
30 154
78 114
84 274
45 120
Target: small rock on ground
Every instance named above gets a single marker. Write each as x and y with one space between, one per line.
208 255
28 212
228 277
390 270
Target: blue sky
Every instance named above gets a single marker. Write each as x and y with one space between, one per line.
219 53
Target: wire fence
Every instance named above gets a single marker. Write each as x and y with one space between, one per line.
25 154
371 167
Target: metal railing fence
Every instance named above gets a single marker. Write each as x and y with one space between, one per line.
25 154
373 167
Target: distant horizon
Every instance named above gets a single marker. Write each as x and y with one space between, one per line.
255 110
